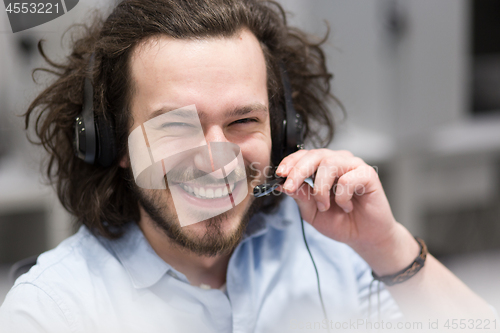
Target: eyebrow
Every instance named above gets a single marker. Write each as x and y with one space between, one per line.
241 111
173 111
236 112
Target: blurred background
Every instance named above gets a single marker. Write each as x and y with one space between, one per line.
420 82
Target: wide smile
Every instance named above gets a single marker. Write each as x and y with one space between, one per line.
210 197
207 191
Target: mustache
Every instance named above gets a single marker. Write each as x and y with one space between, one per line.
189 174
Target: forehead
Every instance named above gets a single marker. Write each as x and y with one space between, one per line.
212 73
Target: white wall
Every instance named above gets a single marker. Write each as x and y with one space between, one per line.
392 89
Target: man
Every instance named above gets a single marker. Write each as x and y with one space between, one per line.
134 267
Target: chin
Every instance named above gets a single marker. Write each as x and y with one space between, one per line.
227 223
210 237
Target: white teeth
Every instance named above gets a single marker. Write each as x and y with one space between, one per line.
207 193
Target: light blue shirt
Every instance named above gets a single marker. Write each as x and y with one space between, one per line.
91 284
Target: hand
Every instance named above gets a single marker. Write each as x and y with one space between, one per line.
347 204
356 211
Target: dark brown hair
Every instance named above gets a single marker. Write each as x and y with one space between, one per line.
100 197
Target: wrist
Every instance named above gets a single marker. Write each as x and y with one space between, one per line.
407 272
391 255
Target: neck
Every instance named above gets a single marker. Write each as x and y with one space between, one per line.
198 269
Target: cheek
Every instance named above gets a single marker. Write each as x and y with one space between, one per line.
256 150
261 154
257 157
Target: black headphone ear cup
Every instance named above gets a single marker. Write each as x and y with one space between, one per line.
106 149
291 137
278 136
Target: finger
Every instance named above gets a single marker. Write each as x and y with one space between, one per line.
308 164
288 162
305 167
323 183
360 181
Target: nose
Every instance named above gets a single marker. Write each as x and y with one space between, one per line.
208 161
215 133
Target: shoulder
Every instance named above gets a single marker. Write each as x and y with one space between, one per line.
72 260
50 294
29 308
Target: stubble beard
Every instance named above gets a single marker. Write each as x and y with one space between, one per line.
158 205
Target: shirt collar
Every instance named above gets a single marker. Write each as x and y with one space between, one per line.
146 268
141 262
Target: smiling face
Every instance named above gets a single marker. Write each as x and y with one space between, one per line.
225 79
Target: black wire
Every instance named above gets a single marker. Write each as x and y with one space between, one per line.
370 299
378 301
317 274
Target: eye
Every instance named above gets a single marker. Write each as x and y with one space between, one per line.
245 121
176 125
178 129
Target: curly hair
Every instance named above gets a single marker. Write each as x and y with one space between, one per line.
100 197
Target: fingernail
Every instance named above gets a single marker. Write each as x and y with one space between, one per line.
347 210
321 207
288 185
280 169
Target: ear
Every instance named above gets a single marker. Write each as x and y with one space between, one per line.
125 162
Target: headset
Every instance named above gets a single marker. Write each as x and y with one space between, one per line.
94 136
290 136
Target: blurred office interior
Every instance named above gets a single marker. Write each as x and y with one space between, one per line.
420 83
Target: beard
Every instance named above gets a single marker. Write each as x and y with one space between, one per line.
158 204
